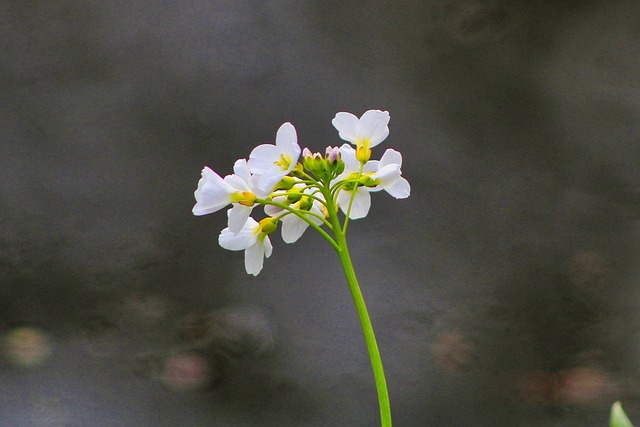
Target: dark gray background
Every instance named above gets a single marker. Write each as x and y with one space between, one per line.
502 291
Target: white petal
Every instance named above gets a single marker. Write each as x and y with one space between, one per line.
254 184
254 258
272 211
361 204
212 193
375 189
242 240
391 157
268 248
238 216
317 209
265 182
359 207
348 154
343 200
241 169
292 228
287 142
347 126
371 166
373 126
262 158
399 189
388 175
237 182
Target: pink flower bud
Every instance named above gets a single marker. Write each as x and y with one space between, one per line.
332 154
307 153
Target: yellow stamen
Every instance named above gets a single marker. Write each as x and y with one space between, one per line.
284 162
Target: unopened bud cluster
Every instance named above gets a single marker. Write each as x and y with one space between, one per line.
323 167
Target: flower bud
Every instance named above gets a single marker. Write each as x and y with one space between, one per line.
368 181
306 153
312 162
286 183
297 171
332 154
306 203
268 225
334 162
363 153
294 195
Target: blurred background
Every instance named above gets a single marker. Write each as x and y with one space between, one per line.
503 292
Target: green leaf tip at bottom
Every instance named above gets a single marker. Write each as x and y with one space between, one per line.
618 418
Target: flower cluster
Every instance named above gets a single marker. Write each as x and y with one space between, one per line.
301 192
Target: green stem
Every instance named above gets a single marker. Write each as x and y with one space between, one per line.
353 196
365 321
303 217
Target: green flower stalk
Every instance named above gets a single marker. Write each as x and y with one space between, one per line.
309 193
618 418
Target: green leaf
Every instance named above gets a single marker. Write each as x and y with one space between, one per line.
618 417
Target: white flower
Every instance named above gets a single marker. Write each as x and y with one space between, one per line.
253 239
384 174
388 175
214 193
365 133
270 163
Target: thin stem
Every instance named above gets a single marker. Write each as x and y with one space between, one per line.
298 212
304 218
365 321
311 195
353 196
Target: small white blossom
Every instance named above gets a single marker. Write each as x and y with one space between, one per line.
388 175
365 132
383 174
214 193
253 240
270 163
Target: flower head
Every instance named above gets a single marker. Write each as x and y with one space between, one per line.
383 174
365 133
253 238
270 163
214 193
387 175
